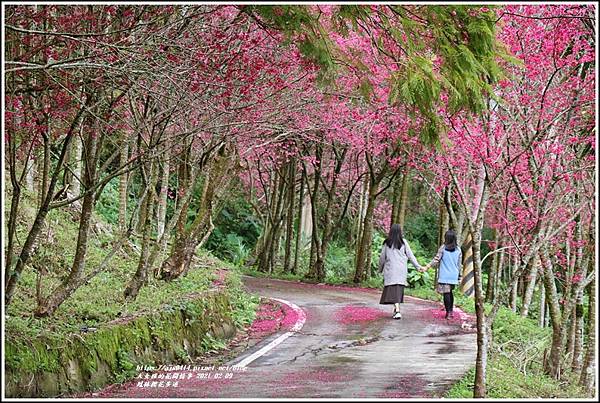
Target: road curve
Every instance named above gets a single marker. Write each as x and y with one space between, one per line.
348 347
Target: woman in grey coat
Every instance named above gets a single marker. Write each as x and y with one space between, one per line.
393 261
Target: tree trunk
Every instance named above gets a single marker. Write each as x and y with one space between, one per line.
30 174
217 181
483 331
266 247
123 181
553 363
263 245
499 271
327 224
183 182
47 306
578 342
589 362
77 177
12 227
14 204
314 203
531 282
578 314
403 199
143 211
483 326
514 291
299 223
570 344
46 170
67 180
164 190
397 194
364 246
140 277
542 321
161 245
360 218
40 217
490 292
289 226
273 250
444 223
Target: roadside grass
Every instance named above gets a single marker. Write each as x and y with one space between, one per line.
514 368
504 381
252 271
101 300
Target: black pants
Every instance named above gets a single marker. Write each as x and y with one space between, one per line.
449 300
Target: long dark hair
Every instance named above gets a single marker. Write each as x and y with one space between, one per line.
394 239
450 240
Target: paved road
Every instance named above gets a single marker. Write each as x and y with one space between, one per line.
349 347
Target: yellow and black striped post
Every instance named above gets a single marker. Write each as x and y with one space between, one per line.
467 285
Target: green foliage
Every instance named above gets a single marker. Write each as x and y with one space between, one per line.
417 249
251 271
415 85
125 365
487 233
416 278
504 381
31 358
236 231
182 355
426 292
375 281
339 263
302 27
421 230
520 340
514 366
236 250
463 389
376 244
465 42
243 308
210 344
468 49
107 205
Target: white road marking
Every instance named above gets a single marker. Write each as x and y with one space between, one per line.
297 326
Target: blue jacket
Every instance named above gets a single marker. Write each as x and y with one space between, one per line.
450 265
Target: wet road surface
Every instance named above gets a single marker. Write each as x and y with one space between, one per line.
349 347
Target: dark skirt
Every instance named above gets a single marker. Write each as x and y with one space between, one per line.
392 294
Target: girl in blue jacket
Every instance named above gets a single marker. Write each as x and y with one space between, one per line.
449 258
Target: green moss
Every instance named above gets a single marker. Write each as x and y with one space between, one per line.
176 333
39 355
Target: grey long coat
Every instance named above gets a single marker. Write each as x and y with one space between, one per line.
394 263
